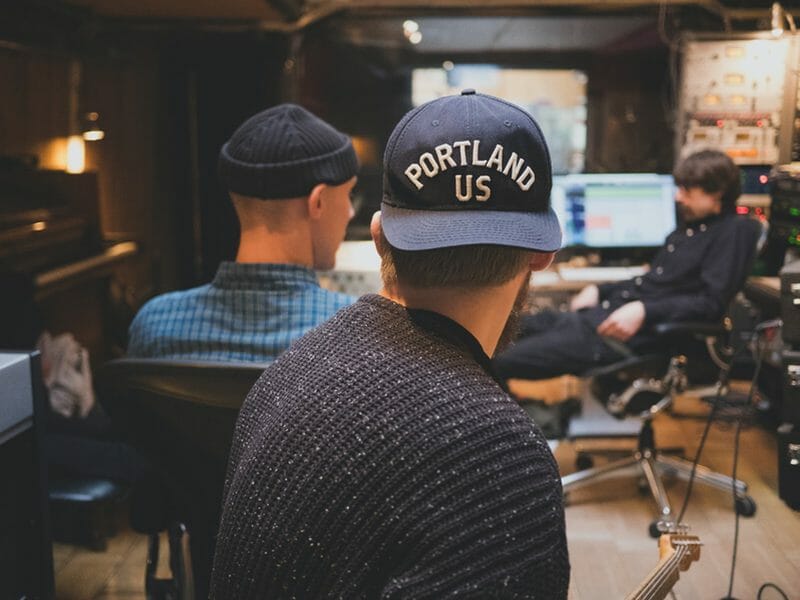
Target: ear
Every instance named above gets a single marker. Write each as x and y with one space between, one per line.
375 232
315 201
541 260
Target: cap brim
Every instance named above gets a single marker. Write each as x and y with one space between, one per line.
408 229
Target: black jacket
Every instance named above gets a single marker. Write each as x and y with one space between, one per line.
695 274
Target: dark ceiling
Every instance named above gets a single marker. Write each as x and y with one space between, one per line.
469 26
278 13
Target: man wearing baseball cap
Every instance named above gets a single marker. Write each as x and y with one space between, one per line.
289 175
380 457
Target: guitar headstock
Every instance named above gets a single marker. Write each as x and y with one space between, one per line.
687 545
677 550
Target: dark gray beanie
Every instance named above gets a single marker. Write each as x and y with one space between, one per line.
283 152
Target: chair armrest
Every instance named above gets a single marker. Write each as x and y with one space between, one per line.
689 328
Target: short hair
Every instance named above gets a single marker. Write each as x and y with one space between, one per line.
713 172
470 267
278 215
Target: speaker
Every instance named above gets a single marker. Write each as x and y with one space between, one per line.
789 465
790 302
790 408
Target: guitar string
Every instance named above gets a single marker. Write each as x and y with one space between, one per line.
683 548
652 586
670 579
664 573
664 576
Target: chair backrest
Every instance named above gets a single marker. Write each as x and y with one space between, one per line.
759 231
181 417
192 406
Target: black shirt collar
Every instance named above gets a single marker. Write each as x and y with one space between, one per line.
457 335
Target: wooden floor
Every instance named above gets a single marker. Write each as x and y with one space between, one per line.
609 546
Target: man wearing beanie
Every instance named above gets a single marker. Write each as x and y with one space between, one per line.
289 175
380 457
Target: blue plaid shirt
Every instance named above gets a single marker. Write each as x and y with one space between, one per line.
250 312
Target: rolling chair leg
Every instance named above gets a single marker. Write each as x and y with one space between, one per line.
647 398
649 466
575 481
653 464
646 465
683 469
176 587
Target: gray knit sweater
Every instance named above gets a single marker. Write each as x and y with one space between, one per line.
378 459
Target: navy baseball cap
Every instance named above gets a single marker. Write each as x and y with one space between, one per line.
468 169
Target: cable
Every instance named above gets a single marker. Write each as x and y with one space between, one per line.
769 584
790 21
724 373
759 351
696 460
673 47
662 24
759 348
718 402
759 356
723 379
735 510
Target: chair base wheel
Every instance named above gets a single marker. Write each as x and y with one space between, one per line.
583 461
653 530
745 506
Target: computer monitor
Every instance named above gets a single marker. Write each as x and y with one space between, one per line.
614 210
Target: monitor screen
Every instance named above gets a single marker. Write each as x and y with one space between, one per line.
614 210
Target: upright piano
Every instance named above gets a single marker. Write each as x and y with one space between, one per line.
50 232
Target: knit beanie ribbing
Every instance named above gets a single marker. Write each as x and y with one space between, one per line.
283 152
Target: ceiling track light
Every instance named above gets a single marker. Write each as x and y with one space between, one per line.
411 31
92 132
410 26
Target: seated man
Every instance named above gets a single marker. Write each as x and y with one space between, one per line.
290 176
692 278
379 457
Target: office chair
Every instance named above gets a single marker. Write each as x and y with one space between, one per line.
181 417
688 358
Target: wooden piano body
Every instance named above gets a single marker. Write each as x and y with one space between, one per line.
50 232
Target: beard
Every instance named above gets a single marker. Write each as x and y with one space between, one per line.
511 328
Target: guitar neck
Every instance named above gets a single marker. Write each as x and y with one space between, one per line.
660 580
677 553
